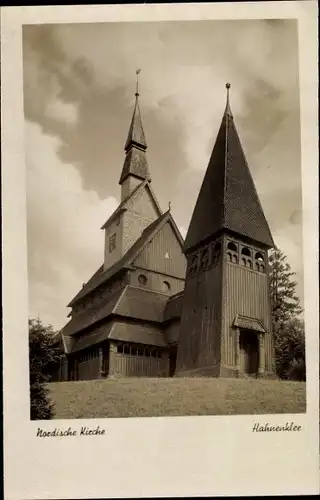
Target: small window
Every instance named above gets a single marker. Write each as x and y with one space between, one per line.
229 256
249 263
154 353
147 351
232 246
112 242
243 262
262 268
235 259
142 279
259 257
140 351
133 350
166 286
246 251
126 349
120 348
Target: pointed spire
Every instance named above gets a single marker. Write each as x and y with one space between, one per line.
135 163
228 109
228 200
136 135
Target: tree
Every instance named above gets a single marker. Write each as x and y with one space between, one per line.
287 326
290 351
285 303
44 354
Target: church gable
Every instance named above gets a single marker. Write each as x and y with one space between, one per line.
141 210
163 254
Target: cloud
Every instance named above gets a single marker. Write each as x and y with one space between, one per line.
65 245
79 83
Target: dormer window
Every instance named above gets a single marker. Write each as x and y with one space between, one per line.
112 242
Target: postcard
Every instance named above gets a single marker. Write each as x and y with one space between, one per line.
160 285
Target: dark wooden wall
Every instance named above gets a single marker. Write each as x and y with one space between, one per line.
200 327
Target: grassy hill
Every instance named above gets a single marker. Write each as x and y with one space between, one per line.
146 397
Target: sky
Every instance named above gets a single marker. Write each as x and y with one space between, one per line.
79 84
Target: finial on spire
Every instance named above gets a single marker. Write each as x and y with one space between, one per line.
228 109
137 83
169 205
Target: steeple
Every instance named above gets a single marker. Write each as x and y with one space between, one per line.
135 164
228 199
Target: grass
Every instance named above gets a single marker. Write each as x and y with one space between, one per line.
151 397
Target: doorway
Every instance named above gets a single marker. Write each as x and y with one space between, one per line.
249 352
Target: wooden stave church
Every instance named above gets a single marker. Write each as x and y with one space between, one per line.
160 306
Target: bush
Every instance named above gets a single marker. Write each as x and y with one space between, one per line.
44 354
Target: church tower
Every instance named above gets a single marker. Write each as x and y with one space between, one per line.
138 206
225 327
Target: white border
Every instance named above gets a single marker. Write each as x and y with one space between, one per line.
187 456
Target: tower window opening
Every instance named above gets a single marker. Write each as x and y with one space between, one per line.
229 256
142 279
244 262
259 257
216 252
204 258
232 246
249 263
194 264
245 251
235 258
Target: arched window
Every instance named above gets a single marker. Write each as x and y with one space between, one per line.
142 279
259 257
262 268
216 251
246 251
232 252
232 246
249 263
204 258
194 264
166 286
244 262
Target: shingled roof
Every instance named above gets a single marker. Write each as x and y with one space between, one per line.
228 199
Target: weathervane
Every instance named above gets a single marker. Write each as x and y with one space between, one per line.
137 84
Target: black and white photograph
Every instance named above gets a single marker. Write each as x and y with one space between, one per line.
164 208
161 231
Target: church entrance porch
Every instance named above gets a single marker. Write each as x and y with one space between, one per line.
249 353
